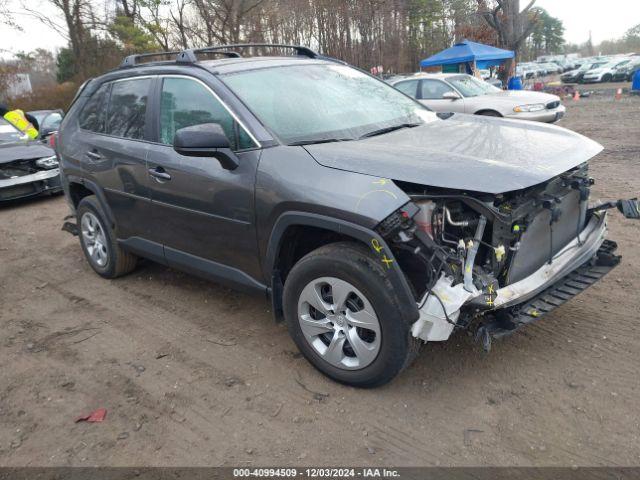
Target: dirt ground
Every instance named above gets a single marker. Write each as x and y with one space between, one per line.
194 374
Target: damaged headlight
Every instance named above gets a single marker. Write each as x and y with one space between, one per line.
47 162
535 107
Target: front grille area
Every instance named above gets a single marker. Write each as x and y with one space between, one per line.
552 105
19 168
538 242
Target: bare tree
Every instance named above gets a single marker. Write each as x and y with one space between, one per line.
512 25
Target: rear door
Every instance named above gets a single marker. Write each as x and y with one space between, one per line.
408 87
430 93
112 148
202 213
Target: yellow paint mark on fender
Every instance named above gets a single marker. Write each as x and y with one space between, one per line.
362 197
387 261
382 181
376 245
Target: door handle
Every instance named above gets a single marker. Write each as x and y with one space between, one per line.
159 173
93 155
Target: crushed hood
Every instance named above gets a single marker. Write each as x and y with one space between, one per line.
465 152
24 150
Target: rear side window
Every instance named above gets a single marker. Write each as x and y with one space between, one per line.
93 114
127 110
409 87
185 103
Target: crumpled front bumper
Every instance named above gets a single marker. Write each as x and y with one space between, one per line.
30 185
434 325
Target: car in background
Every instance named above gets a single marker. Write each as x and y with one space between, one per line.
466 94
575 76
525 71
625 73
27 167
604 73
48 121
551 68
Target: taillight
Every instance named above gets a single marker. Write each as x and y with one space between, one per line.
52 140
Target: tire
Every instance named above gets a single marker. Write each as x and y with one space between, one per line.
488 113
607 78
104 255
384 348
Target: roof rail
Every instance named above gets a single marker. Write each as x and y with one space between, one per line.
133 60
189 56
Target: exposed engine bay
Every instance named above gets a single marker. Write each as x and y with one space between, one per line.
473 256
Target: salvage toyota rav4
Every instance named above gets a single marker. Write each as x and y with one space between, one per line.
372 224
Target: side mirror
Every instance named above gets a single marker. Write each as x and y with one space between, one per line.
206 140
450 96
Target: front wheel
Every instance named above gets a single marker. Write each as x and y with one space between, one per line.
342 314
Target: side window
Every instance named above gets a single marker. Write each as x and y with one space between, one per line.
93 114
127 108
434 89
51 121
409 87
185 103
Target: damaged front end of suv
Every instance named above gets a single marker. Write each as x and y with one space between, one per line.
499 261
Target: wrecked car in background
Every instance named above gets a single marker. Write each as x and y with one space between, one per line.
27 167
373 225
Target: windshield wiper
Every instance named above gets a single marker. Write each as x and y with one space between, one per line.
322 140
382 131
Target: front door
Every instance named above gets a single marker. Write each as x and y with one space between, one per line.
203 214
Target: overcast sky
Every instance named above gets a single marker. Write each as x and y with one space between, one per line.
606 20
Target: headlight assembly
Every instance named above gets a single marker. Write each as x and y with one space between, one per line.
536 107
47 162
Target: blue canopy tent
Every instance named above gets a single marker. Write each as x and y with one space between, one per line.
465 52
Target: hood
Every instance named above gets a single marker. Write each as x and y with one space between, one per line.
465 152
24 150
525 96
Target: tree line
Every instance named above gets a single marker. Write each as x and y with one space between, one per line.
395 34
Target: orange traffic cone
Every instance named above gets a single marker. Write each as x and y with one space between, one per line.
576 96
619 94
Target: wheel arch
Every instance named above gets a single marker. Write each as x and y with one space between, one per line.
80 187
292 225
485 111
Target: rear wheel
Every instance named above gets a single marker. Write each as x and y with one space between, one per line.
607 78
342 314
99 243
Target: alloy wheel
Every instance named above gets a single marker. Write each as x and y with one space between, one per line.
94 239
339 323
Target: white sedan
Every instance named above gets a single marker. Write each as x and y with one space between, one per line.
466 94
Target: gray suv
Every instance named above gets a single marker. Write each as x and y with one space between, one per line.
371 224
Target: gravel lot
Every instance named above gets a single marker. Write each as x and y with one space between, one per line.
194 374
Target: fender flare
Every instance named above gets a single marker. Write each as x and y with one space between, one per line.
97 191
408 307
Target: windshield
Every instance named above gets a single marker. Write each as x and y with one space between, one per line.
8 133
319 102
472 87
